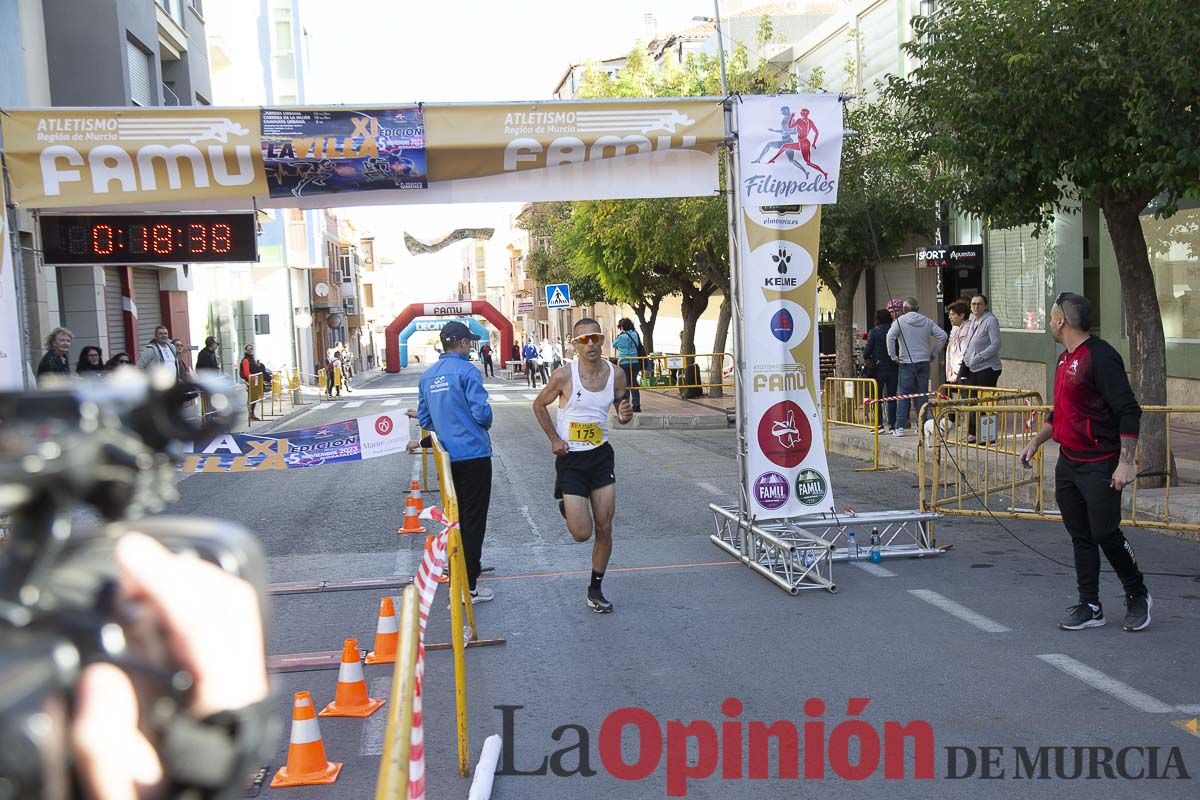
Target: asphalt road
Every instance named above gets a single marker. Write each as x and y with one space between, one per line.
698 628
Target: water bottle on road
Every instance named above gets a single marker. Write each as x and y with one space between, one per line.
876 555
852 546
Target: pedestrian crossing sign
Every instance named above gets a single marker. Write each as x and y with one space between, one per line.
558 295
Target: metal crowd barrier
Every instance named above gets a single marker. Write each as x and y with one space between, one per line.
397 737
986 478
854 403
669 371
462 636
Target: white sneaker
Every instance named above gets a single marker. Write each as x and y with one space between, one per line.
899 431
482 594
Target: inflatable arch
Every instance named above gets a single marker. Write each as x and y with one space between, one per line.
449 308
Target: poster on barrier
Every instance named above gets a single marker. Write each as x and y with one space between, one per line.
356 439
786 467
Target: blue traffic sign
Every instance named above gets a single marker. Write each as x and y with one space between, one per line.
558 295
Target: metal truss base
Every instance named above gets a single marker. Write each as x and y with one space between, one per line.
799 553
793 559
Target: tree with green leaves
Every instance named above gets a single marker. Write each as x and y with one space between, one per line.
1032 106
680 243
884 201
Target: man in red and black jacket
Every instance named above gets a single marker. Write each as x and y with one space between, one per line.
1095 422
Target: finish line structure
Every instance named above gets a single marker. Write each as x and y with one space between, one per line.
171 161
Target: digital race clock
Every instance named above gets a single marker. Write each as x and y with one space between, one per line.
148 238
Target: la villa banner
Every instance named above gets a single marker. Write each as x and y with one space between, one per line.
789 154
167 159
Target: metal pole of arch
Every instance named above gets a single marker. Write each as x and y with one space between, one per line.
739 322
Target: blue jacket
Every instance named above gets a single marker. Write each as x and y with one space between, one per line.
454 404
529 352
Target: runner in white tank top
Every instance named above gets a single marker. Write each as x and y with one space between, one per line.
582 420
584 465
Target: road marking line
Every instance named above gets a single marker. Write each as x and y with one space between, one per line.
352 404
958 610
375 726
1107 684
532 525
1189 709
395 401
708 487
873 569
528 396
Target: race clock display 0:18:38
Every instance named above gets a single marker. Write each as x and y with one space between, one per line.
148 238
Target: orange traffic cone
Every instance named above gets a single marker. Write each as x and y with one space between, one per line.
387 634
306 764
415 494
412 521
351 699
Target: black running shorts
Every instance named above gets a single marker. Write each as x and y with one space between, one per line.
584 471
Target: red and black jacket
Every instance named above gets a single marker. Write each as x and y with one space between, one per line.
1094 406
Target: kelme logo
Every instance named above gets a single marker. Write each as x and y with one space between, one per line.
810 487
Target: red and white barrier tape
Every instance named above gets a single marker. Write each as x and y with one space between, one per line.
872 400
433 563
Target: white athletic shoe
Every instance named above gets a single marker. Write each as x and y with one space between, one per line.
482 594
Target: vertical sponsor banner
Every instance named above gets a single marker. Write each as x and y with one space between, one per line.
326 151
791 149
789 159
11 366
786 467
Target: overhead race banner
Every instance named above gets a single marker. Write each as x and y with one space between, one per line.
186 159
328 151
80 158
338 442
790 149
786 467
11 365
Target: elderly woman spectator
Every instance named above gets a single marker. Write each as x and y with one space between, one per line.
91 362
960 333
58 347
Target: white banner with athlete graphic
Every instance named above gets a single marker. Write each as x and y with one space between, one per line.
786 469
790 148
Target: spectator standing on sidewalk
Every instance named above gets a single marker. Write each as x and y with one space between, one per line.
1096 421
210 356
880 365
627 344
159 350
960 333
913 341
454 405
530 354
252 366
981 360
485 355
91 362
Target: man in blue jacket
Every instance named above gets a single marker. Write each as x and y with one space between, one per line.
454 404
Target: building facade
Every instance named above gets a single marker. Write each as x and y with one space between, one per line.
139 53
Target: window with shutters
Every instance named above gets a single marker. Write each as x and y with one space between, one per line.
1018 275
262 324
141 84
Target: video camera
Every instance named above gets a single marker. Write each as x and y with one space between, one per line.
111 444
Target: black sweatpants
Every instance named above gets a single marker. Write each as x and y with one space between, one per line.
473 487
985 377
1091 512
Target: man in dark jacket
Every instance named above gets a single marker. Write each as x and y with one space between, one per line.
1095 421
880 365
454 405
209 357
